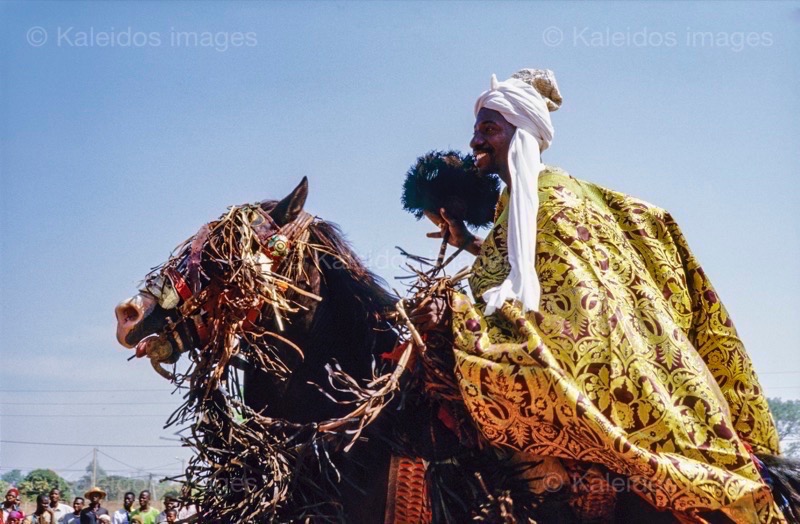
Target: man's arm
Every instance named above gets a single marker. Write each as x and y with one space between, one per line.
459 236
474 245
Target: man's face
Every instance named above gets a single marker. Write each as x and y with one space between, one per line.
128 502
55 497
171 504
171 517
491 139
42 502
77 505
144 499
11 498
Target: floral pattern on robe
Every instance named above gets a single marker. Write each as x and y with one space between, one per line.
631 361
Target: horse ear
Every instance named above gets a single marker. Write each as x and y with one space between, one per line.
290 207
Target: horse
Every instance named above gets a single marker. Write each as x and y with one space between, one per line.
277 297
345 326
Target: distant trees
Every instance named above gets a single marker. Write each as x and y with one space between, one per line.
116 486
85 482
41 481
10 478
787 418
14 477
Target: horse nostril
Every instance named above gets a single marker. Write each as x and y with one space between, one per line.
127 313
130 313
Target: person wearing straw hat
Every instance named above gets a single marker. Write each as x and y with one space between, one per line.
595 336
90 513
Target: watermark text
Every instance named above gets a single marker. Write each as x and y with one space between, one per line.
132 38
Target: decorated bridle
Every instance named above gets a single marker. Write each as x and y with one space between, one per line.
192 303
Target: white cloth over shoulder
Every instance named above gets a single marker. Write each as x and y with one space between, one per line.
526 109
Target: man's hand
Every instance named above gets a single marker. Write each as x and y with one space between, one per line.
459 234
431 315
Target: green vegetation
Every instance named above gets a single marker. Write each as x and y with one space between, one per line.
42 481
787 418
14 477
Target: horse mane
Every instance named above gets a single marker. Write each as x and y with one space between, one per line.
355 300
362 284
355 303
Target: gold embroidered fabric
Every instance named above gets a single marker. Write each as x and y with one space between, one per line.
631 362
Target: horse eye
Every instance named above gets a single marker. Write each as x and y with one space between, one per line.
153 285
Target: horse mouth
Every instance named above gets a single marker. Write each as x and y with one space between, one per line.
137 318
156 347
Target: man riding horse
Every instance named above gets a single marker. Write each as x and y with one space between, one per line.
597 350
596 337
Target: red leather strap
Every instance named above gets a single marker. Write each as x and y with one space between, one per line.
179 283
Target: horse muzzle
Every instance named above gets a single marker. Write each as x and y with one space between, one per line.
140 322
136 319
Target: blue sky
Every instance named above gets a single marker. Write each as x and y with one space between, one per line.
111 155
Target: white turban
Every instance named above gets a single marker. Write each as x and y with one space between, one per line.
526 109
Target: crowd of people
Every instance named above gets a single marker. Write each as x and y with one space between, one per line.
89 510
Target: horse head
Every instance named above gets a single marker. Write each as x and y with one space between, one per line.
266 288
166 317
272 295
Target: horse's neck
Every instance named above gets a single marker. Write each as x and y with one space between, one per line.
344 331
340 328
347 326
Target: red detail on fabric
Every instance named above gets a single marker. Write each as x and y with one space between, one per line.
395 354
757 461
447 419
179 284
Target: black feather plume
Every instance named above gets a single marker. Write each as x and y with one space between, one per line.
450 180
